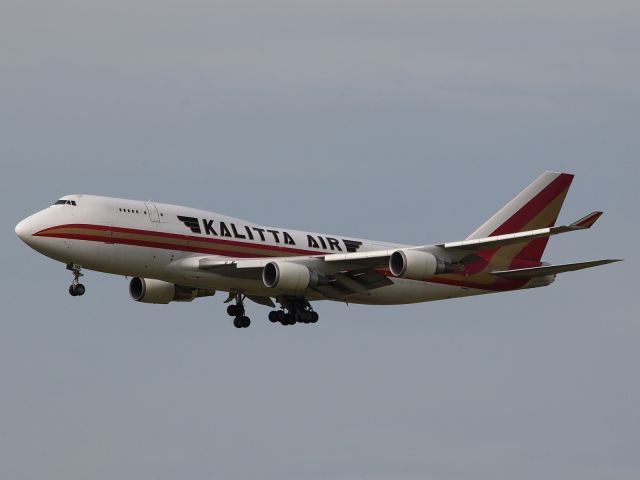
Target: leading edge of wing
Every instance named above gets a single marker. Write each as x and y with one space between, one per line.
521 237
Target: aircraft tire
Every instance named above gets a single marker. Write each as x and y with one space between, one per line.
80 289
72 291
238 322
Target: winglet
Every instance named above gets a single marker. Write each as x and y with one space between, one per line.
586 222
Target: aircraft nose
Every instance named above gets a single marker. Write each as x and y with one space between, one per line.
23 230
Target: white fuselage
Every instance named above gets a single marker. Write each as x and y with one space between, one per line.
166 242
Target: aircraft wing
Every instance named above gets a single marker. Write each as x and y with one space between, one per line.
361 272
345 274
458 251
487 243
550 269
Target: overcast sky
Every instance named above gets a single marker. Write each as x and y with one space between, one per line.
401 121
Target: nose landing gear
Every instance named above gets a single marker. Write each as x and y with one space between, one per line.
76 288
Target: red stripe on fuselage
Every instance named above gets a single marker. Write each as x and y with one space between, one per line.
52 232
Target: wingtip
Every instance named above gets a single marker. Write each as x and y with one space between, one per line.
611 260
587 221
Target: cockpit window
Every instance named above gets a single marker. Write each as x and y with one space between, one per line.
66 202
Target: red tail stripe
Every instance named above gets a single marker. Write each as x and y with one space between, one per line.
534 206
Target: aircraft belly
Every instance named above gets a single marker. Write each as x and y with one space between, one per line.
213 281
119 259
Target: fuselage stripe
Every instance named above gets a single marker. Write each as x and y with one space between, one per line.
170 241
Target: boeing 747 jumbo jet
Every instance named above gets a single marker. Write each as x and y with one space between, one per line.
177 253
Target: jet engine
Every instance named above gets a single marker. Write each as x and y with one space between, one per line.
288 276
149 290
417 265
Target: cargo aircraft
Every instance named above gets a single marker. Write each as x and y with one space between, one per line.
176 253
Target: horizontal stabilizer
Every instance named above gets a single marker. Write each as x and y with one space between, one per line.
550 269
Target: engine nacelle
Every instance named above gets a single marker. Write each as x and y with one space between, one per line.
149 290
416 265
288 276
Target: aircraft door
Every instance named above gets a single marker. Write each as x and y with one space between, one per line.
152 211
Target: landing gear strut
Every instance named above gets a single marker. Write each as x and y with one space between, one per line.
76 288
294 310
237 310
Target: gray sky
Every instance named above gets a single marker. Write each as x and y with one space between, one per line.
410 122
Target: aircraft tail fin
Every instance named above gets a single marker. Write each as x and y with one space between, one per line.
537 206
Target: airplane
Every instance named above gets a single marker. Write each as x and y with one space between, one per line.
176 253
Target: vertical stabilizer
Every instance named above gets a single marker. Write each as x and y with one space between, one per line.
537 206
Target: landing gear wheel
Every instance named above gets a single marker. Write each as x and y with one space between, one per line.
241 322
293 310
76 288
237 311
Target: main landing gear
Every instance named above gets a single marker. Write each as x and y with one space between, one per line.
237 310
76 288
294 310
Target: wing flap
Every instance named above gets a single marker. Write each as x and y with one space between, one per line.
550 269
